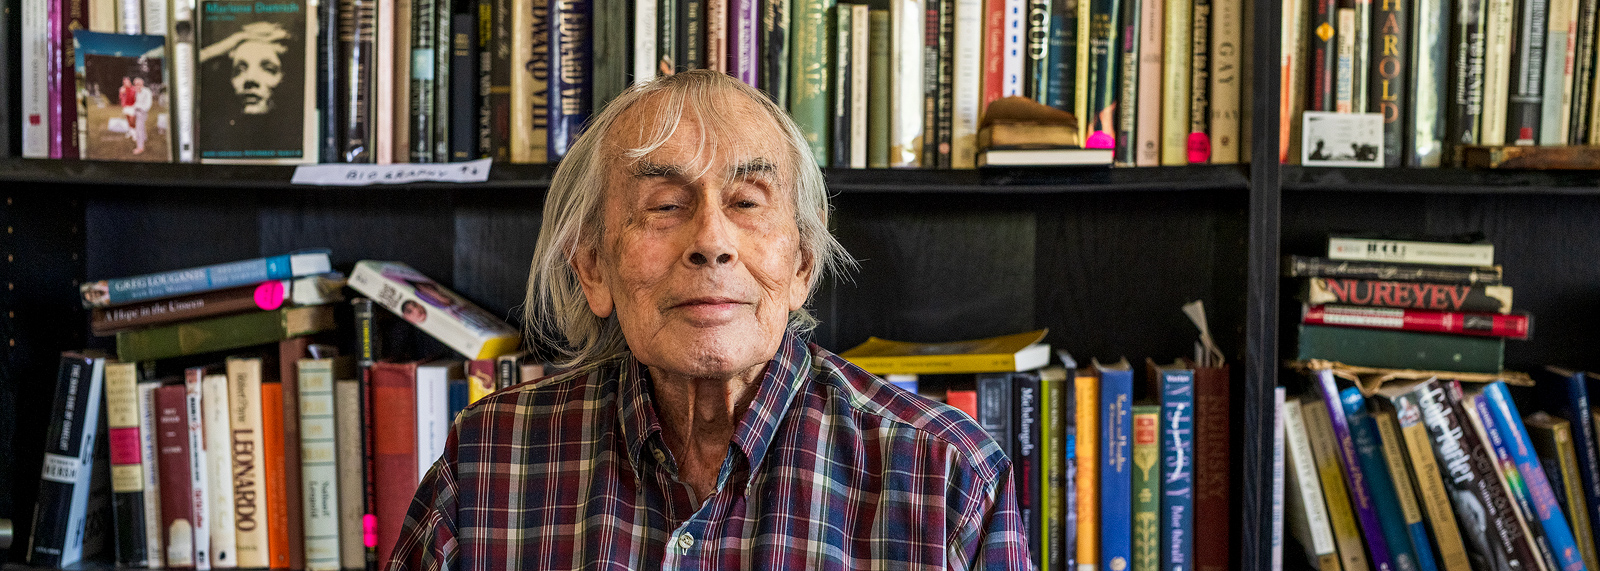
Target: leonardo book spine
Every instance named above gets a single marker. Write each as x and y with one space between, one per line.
1127 115
1175 94
127 473
357 26
1104 60
774 52
245 418
1152 21
1524 112
809 94
1466 83
1428 113
61 509
1227 23
1387 90
1197 146
1583 73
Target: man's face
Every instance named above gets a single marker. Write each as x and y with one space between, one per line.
257 70
701 270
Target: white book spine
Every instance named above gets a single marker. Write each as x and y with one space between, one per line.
105 16
347 406
433 422
199 498
905 82
35 91
1560 51
1277 481
131 20
1378 250
1306 495
1013 59
435 310
152 478
181 35
966 83
644 44
1497 72
1147 128
319 465
1344 77
219 466
250 521
155 19
383 151
859 32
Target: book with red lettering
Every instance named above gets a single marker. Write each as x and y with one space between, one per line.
394 442
1408 295
1513 326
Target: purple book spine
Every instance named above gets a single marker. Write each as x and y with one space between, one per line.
1360 492
54 38
742 43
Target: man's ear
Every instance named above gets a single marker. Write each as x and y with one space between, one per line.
800 288
592 279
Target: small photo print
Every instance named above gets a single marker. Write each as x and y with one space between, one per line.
123 97
1342 139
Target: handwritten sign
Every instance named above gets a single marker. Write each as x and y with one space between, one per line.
363 175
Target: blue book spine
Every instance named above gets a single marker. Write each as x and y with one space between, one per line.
1364 431
1542 495
458 397
994 408
1116 475
1177 469
118 291
1516 488
570 81
1360 489
1575 408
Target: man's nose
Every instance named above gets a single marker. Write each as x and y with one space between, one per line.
713 242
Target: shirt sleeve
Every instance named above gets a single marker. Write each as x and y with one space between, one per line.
428 538
991 533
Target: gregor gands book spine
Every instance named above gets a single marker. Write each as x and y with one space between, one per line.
60 512
105 293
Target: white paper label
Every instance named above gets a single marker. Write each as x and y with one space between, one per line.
363 175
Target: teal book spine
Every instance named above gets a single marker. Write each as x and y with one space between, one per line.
1177 469
1369 450
810 94
104 293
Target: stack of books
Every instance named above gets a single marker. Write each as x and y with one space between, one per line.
234 434
1406 304
1108 472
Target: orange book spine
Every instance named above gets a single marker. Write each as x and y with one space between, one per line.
1087 446
272 460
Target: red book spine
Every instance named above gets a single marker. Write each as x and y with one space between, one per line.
994 51
1512 326
70 16
964 400
272 460
290 351
172 456
1211 471
394 443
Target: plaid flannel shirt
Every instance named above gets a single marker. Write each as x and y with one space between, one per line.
831 468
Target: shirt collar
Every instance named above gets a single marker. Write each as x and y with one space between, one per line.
781 381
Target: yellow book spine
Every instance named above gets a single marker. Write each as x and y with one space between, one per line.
1435 499
1567 460
936 364
1319 429
1088 451
1175 84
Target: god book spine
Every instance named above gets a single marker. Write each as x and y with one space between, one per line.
1227 23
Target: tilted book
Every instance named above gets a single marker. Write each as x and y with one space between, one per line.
118 291
1341 516
127 472
1361 497
1305 513
1552 440
222 333
1496 400
437 311
1569 399
1383 482
1506 474
62 506
1421 464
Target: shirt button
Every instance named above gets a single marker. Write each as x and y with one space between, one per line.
685 541
659 456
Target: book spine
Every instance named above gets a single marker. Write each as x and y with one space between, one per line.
744 51
1177 482
1480 324
943 88
442 82
180 35
119 291
70 17
1428 113
1494 442
1198 143
1410 295
399 33
243 391
285 542
774 48
1467 81
1404 251
994 407
1152 21
1104 61
219 472
1572 403
433 411
1053 392
1430 486
540 67
1086 446
1175 89
1361 497
879 46
1557 73
1500 33
1066 548
1360 56
842 68
329 39
1212 465
124 439
357 27
1127 115
347 406
668 37
1306 510
1402 349
1081 88
1497 402
1324 62
1393 518
221 333
810 92
463 88
692 34
1026 458
395 474
494 56
1116 477
1279 395
1146 488
859 61
199 473
1292 86
107 321
967 71
34 71
422 79
611 50
280 404
1061 65
1311 267
1554 443
62 505
172 439
1387 90
992 74
149 460
319 464
1526 96
1014 61
1580 127
1227 23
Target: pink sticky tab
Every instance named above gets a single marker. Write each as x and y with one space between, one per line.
1199 148
269 295
124 445
1100 140
369 530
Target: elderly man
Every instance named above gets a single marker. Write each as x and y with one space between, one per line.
681 239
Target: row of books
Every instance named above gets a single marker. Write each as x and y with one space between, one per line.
1395 304
897 85
232 432
1444 74
1441 475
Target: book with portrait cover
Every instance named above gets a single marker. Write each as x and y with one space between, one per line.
257 96
439 312
120 112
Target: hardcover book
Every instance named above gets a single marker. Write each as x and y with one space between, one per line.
1570 400
1116 472
1402 349
257 82
149 460
265 296
1212 419
1305 513
63 501
1086 446
394 441
352 497
1388 87
1027 458
1476 252
1055 386
220 454
177 517
125 440
319 464
222 333
1312 267
1176 387
1147 488
435 310
1424 469
1361 495
199 473
1410 295
570 89
1395 521
1516 326
246 417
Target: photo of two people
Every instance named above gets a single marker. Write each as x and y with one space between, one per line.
122 97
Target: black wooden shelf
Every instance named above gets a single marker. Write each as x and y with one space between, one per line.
1024 180
1440 181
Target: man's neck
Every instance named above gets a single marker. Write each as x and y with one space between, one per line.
698 417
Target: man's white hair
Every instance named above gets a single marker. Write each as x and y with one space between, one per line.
555 312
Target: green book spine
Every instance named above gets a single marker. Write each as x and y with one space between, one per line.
1050 498
1146 487
612 53
1402 349
810 94
222 333
878 43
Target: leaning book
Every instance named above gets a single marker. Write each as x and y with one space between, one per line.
122 90
437 311
60 513
257 88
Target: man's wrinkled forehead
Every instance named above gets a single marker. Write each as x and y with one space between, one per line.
728 133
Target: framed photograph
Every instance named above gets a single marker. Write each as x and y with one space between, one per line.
122 97
1342 140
